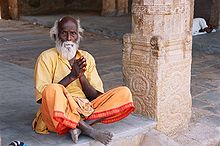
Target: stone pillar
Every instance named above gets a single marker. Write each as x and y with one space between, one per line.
108 8
157 61
4 9
215 13
114 7
13 9
122 7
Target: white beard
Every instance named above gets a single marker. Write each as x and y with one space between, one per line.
67 49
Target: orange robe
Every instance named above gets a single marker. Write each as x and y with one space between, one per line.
60 111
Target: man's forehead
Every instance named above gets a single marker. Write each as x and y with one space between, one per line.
67 22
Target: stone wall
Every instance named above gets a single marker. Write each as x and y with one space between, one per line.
33 7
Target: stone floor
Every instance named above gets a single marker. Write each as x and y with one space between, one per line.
21 42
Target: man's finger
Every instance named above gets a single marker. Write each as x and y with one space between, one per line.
82 62
83 65
81 58
83 69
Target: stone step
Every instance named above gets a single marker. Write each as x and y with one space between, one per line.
127 132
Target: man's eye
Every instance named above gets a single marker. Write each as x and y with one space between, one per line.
73 33
63 32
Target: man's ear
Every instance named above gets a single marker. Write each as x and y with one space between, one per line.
81 34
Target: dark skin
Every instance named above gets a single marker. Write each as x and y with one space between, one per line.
207 29
67 31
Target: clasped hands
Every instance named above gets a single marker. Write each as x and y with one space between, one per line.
78 67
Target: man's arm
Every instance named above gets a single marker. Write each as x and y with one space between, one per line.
90 92
67 80
78 68
77 71
87 88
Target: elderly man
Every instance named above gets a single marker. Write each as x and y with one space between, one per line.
70 90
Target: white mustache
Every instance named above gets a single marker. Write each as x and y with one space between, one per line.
68 44
67 49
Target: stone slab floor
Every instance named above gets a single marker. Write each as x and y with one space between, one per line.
21 42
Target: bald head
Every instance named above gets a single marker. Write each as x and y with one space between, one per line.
67 19
66 27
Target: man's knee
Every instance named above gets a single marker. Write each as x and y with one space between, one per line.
51 91
124 90
52 88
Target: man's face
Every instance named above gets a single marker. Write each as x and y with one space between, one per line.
67 31
67 43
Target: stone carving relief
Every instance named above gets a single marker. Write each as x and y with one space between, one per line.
175 100
137 2
156 46
139 78
140 85
158 9
148 26
138 23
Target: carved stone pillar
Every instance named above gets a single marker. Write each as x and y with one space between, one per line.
157 61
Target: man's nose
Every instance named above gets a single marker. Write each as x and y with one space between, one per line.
68 37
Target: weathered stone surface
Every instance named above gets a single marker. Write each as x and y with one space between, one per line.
199 134
157 61
155 138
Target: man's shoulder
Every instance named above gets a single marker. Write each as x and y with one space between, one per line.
86 54
52 52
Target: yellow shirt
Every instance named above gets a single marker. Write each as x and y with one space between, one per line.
52 68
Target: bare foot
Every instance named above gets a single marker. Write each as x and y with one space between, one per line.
103 136
75 134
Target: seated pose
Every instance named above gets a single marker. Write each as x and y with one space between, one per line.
200 27
70 91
